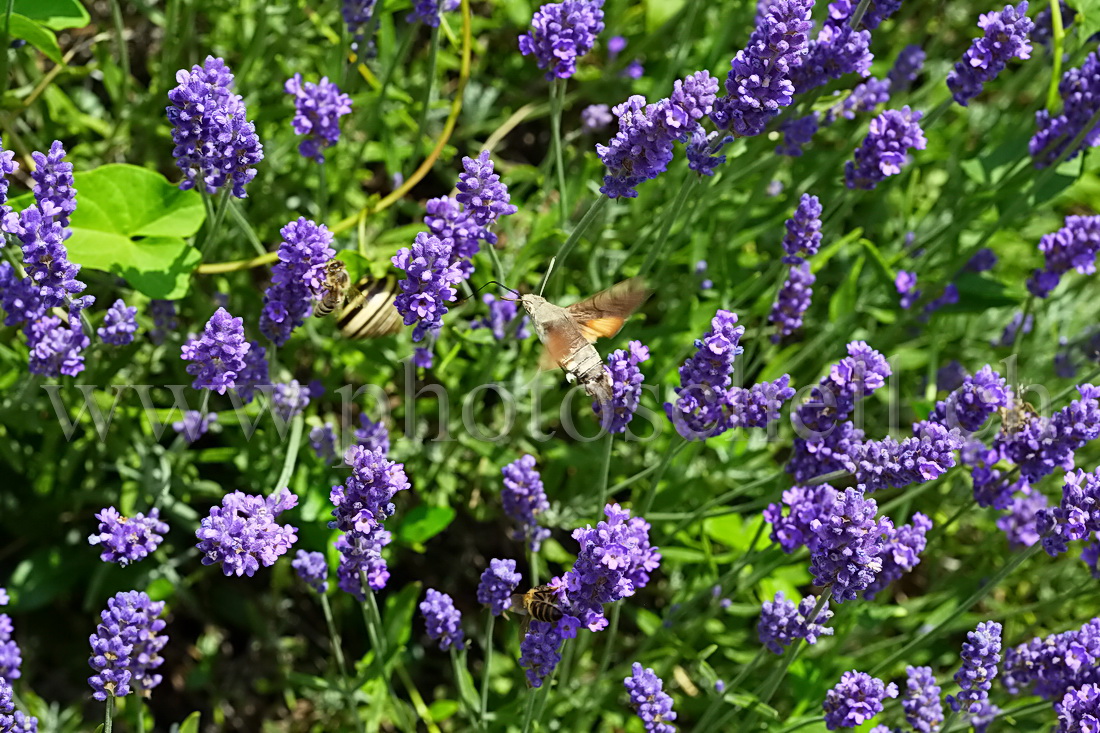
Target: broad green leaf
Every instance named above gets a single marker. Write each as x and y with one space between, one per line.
1088 17
441 710
356 264
658 12
55 14
423 523
190 724
397 618
37 35
843 301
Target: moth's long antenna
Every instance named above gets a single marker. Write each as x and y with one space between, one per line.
487 284
547 275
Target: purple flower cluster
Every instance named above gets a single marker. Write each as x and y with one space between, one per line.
12 720
1077 517
317 112
358 15
297 279
163 313
855 699
759 83
365 500
455 227
758 406
901 553
1074 246
11 656
837 51
704 379
216 145
127 539
850 545
885 149
792 301
443 620
429 284
886 463
372 435
980 653
497 584
481 192
626 386
56 347
652 704
949 296
561 33
643 146
540 650
596 117
312 568
805 505
855 376
781 622
322 440
218 356
193 424
119 325
1005 39
361 554
803 237
126 646
703 151
428 11
242 533
614 561
840 11
907 66
255 373
524 498
288 400
1079 710
45 259
1080 90
906 284
8 166
502 316
970 405
1020 521
1043 444
1049 667
921 701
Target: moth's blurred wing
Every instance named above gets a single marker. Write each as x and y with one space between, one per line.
370 312
555 348
603 315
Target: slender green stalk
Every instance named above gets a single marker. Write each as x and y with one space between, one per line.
962 608
748 668
1058 37
651 492
533 567
529 709
215 225
671 215
557 97
140 716
426 102
545 692
291 453
940 529
487 672
123 54
338 652
582 225
109 714
498 266
605 472
951 716
457 667
5 36
322 194
857 15
613 632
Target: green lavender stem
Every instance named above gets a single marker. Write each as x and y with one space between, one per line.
647 501
5 36
582 225
792 652
322 194
291 453
487 673
557 97
338 652
123 53
1058 37
605 472
216 222
109 714
529 709
672 215
433 56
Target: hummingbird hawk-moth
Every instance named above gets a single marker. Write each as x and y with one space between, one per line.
567 333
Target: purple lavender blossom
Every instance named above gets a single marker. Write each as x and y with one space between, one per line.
126 646
905 283
886 463
951 376
633 70
255 372
969 406
782 623
1043 444
797 133
980 653
540 650
19 296
901 553
949 296
1019 520
865 97
626 386
705 283
792 301
837 51
361 554
850 545
448 220
921 701
216 145
1077 517
758 406
365 500
1049 667
806 504
803 236
984 259
45 258
1005 39
1090 555
502 319
615 46
855 699
297 278
12 720
422 358
652 704
54 194
704 379
358 15
596 117
126 540
759 83
1079 710
907 66
613 562
481 192
317 112
8 166
855 376
703 150
11 656
430 277
1080 94
193 424
885 149
119 325
841 11
242 533
1073 246
1018 324
524 498
443 620
163 313
428 11
497 584
218 356
322 440
372 435
313 569
288 400
56 347
561 33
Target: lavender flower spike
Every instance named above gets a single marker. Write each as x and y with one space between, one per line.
792 301
1074 246
561 33
120 324
540 650
1005 39
1079 709
8 166
626 385
855 699
365 500
242 533
921 701
126 540
1080 90
497 583
313 569
803 236
479 189
297 279
652 704
885 149
781 622
218 356
430 277
524 499
849 545
981 654
443 620
704 379
317 112
126 646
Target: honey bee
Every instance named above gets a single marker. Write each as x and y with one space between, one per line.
1017 415
336 288
540 603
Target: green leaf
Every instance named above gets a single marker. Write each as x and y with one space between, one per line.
441 710
399 613
38 36
658 12
356 264
190 724
131 221
55 14
1088 17
979 292
423 523
843 301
